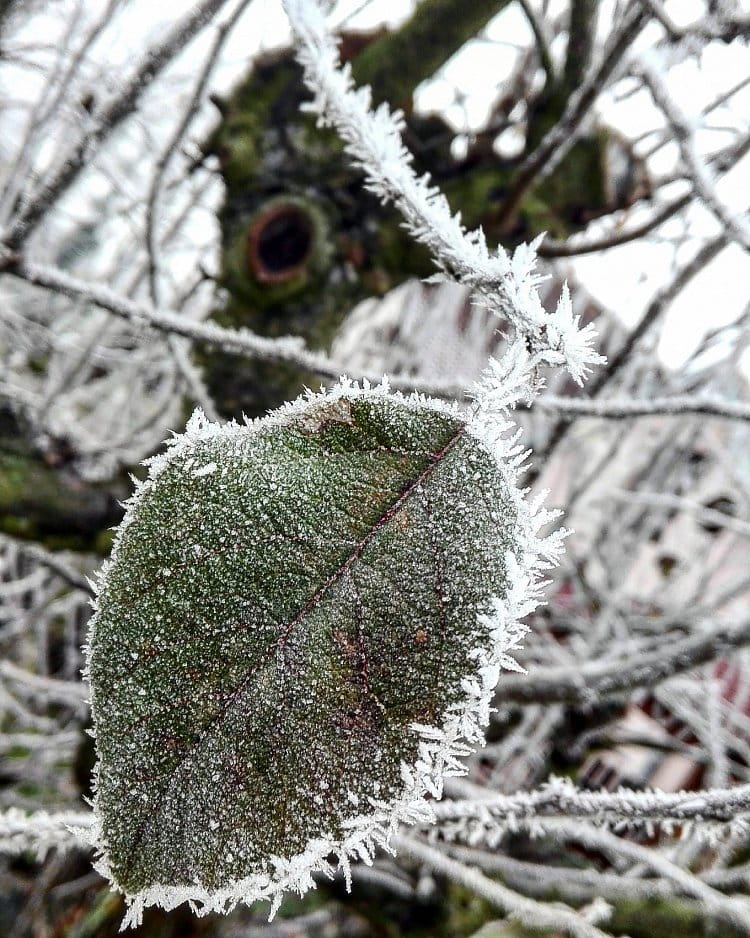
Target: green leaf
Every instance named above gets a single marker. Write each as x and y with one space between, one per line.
291 640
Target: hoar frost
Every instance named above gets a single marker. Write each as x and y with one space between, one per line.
291 649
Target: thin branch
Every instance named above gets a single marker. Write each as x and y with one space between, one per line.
106 118
696 167
559 139
222 33
373 139
53 562
41 832
520 908
708 516
734 911
586 683
541 38
577 247
288 349
624 408
50 689
241 341
559 798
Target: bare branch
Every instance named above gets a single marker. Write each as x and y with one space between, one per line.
53 562
697 170
702 514
518 907
557 142
583 684
625 408
106 118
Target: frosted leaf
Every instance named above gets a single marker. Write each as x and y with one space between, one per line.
286 647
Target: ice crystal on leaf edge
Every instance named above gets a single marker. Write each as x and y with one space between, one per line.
440 747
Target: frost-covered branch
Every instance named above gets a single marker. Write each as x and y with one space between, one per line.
625 408
53 562
520 908
48 689
222 33
584 684
557 142
506 286
708 516
732 910
40 832
288 349
560 798
103 121
697 169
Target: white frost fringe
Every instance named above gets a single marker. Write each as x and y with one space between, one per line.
442 747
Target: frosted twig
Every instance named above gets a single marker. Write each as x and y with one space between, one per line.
506 286
288 349
624 408
696 167
560 798
53 562
40 832
222 33
106 118
702 514
573 884
521 908
730 910
50 689
586 683
559 139
577 246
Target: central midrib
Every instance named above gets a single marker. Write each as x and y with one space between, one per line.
382 521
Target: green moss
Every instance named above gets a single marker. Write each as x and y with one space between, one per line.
437 28
666 918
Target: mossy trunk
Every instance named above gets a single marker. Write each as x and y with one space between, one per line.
44 499
303 242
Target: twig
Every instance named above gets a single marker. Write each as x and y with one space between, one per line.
41 831
557 142
53 562
50 689
520 908
561 799
373 138
625 408
584 684
541 38
697 169
576 247
734 911
106 118
704 515
222 33
289 349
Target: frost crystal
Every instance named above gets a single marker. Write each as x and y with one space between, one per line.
297 635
